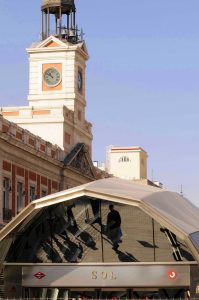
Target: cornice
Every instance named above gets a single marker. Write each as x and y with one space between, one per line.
28 149
58 49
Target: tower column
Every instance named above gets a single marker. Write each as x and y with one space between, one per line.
60 21
42 24
68 22
56 24
74 20
71 21
46 25
48 21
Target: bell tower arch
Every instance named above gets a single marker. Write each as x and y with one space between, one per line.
54 14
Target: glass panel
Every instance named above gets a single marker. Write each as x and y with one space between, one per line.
179 251
136 233
195 238
92 230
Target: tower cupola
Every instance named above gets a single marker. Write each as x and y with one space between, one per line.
59 19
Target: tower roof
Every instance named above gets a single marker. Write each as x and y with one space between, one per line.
67 5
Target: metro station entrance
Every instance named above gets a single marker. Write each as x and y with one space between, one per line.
105 293
98 281
65 252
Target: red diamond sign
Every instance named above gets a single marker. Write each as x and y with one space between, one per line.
39 275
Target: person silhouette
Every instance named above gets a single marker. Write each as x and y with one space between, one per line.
70 215
114 226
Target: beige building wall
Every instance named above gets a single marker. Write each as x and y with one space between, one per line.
127 162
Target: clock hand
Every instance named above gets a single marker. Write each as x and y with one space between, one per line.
49 74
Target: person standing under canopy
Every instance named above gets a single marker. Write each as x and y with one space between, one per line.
114 226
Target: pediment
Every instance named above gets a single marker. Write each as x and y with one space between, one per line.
79 159
51 42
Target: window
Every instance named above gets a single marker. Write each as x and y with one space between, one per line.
43 193
79 115
6 192
32 193
19 196
124 159
7 213
67 138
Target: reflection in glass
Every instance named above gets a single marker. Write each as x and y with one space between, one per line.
92 230
195 239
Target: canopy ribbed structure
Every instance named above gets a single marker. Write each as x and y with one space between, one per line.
170 209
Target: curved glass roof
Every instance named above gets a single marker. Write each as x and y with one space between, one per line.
172 211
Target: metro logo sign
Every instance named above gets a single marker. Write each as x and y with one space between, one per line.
39 275
114 275
172 274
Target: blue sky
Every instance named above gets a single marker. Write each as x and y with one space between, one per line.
142 78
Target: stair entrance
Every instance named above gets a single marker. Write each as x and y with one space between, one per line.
105 293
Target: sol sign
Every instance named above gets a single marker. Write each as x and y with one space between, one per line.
172 274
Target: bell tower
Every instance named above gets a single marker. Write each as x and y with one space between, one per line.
58 62
57 77
54 14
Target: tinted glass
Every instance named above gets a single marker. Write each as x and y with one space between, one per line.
195 238
91 230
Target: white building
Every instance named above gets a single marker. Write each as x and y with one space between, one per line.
127 162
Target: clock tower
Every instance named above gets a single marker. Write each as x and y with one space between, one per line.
57 65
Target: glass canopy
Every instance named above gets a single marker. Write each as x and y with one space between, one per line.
86 230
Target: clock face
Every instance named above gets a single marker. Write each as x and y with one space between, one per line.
79 80
52 77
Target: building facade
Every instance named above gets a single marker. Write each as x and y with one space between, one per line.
31 168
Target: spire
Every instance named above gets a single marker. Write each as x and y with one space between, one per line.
59 19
